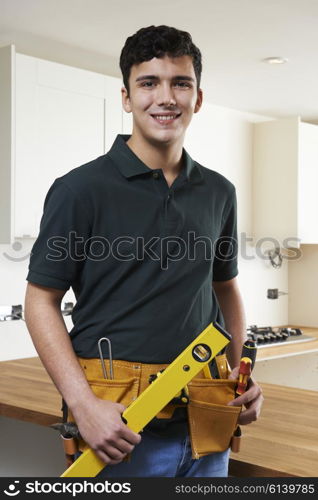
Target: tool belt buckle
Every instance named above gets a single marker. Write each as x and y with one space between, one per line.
182 398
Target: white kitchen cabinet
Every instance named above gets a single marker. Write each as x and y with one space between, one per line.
7 102
285 179
63 117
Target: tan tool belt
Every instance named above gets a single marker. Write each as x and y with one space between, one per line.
211 421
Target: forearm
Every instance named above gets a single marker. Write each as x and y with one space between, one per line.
99 421
232 308
50 337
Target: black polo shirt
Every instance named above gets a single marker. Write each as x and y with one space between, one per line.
139 255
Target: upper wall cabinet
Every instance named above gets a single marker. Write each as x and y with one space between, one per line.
62 117
285 202
7 102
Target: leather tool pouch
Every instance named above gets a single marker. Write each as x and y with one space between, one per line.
211 422
122 390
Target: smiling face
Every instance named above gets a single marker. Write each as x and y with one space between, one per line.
163 96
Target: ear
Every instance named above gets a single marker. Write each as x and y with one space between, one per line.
198 104
125 100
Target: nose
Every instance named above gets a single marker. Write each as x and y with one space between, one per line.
165 95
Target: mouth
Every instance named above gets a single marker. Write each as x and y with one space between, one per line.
166 119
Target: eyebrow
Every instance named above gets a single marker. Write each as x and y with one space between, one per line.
153 77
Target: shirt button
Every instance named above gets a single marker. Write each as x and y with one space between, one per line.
155 175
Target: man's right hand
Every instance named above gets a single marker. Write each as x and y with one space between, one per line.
102 428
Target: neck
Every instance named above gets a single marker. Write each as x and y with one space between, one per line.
167 157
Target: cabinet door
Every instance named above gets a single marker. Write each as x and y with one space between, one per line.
275 178
307 184
61 115
7 58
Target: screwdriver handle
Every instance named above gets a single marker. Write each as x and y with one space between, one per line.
247 363
249 350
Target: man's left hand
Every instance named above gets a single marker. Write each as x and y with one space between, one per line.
252 399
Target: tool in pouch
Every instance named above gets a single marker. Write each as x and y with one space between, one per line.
247 363
69 434
160 392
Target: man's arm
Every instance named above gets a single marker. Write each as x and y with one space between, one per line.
99 421
231 305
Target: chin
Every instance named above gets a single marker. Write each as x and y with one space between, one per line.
164 138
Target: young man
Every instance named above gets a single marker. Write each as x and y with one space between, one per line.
137 224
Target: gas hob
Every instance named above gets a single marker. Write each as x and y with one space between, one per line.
266 336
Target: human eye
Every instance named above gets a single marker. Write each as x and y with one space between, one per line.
183 84
147 84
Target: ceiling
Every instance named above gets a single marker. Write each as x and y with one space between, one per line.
233 35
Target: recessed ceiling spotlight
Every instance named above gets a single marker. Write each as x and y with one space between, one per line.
275 60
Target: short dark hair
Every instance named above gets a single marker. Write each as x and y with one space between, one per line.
158 41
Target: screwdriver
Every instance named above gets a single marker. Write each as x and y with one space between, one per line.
247 363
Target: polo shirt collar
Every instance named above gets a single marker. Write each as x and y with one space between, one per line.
130 165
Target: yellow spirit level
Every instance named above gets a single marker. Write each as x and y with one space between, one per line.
160 392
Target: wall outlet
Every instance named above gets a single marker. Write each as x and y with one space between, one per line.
274 293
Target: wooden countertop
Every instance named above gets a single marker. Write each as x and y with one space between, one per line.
284 441
27 392
292 349
285 438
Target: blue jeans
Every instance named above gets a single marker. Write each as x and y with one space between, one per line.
167 453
